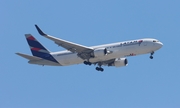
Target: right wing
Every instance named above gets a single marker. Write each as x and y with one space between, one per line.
73 47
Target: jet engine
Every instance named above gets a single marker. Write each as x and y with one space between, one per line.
99 52
118 62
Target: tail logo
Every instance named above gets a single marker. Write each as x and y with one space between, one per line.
37 49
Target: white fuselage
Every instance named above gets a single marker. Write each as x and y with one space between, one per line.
118 50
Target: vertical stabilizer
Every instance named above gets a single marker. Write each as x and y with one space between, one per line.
38 49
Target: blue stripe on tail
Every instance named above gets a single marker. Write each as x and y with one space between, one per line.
35 44
38 49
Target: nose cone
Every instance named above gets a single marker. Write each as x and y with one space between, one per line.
159 45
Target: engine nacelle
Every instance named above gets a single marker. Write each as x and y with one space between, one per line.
119 62
100 52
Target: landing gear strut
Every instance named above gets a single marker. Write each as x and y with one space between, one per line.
151 56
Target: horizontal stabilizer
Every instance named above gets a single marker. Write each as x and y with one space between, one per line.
28 56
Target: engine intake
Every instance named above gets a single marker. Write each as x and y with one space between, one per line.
119 62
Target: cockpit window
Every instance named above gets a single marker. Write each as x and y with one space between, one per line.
155 41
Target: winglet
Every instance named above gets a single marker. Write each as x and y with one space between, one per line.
40 31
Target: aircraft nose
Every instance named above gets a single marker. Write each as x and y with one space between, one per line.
160 44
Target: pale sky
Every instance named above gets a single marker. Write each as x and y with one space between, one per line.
143 83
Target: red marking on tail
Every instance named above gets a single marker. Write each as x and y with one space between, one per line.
35 49
31 38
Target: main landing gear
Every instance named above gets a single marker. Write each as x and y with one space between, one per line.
151 56
99 68
87 63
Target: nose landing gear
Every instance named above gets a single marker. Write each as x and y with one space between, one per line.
151 56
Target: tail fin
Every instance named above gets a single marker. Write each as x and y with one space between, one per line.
38 49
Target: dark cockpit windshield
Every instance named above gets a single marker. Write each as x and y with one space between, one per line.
155 41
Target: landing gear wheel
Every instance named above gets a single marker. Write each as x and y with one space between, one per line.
87 63
151 57
102 70
99 69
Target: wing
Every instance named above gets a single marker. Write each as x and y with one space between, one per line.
73 47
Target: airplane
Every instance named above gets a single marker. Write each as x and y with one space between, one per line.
113 54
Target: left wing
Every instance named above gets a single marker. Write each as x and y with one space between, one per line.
73 47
